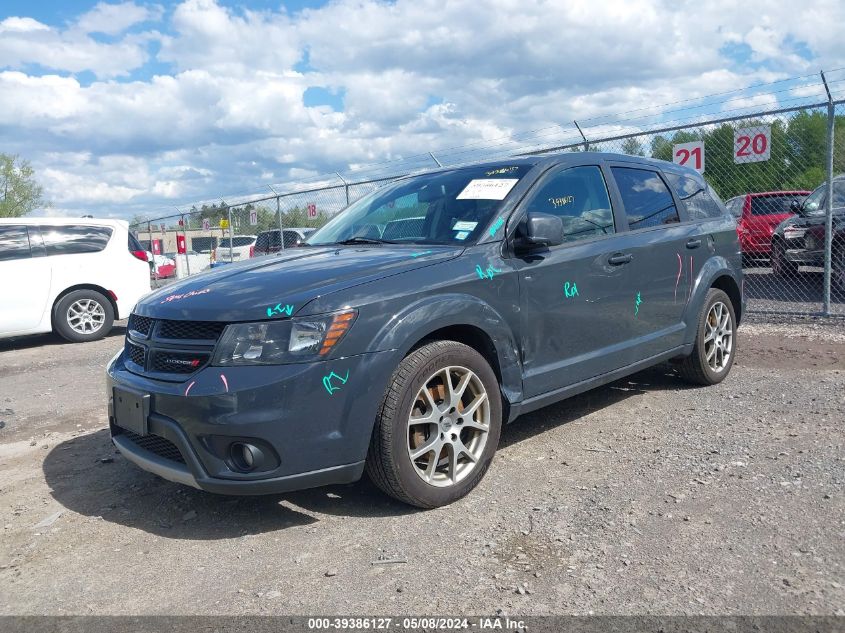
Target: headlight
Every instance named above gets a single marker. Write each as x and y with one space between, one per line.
280 342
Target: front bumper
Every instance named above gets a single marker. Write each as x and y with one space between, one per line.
308 436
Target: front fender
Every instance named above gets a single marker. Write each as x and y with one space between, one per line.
427 314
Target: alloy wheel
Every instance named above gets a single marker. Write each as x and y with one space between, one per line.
448 426
85 316
718 337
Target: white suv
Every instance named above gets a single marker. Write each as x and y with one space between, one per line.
241 248
71 276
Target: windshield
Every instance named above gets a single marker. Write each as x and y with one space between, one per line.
451 207
774 205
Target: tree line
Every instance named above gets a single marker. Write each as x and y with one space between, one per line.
798 154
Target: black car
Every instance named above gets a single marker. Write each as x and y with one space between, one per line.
270 241
800 240
405 332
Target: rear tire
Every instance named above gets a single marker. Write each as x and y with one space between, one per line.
715 342
782 267
83 315
452 431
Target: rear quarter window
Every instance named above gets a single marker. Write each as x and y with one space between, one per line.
698 198
14 243
74 239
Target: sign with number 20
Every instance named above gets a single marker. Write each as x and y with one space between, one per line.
753 144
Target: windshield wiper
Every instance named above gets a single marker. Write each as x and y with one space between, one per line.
365 240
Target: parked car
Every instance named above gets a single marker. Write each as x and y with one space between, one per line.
800 240
269 241
71 276
163 267
527 281
757 216
235 248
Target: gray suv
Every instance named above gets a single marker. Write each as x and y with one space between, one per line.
411 327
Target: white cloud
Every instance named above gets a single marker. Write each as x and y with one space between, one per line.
113 19
21 25
224 113
24 41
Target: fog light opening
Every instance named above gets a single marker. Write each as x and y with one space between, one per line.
245 457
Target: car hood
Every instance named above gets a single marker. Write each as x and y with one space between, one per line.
245 291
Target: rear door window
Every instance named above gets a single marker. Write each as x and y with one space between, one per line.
14 243
74 239
648 202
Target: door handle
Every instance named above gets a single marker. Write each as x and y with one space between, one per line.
693 243
617 259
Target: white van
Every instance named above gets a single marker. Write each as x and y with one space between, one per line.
71 276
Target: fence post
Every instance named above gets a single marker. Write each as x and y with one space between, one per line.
828 221
345 186
281 225
586 142
231 241
185 235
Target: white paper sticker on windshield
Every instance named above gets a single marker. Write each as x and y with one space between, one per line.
464 226
492 189
462 235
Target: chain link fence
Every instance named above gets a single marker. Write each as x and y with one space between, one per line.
770 168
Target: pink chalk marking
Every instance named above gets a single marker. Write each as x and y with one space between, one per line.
689 295
678 278
225 382
189 387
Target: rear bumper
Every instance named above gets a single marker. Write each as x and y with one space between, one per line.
805 257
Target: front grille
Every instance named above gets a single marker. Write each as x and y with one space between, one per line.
140 324
159 346
178 362
192 330
155 444
135 353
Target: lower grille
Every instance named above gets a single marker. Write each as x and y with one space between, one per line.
155 444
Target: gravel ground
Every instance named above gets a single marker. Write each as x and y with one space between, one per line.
642 497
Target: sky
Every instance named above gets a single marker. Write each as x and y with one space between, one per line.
136 108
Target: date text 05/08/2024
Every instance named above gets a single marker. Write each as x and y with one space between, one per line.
415 623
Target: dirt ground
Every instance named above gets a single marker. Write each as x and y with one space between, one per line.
642 497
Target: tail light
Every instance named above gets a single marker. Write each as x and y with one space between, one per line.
142 255
252 250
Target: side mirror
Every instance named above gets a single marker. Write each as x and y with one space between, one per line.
543 229
796 207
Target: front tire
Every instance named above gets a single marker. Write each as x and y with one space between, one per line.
83 315
438 426
715 342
